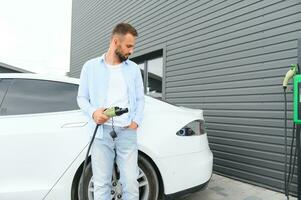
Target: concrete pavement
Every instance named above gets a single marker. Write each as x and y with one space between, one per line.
222 188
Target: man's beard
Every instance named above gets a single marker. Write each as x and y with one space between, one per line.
120 56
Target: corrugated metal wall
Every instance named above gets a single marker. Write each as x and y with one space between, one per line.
226 57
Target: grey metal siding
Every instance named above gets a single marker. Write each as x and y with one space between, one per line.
226 57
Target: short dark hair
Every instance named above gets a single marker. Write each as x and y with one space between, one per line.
123 29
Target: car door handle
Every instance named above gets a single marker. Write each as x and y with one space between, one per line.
74 124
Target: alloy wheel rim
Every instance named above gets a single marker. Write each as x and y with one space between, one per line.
116 192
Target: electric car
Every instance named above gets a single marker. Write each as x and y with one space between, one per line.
44 139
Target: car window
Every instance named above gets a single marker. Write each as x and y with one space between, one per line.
28 96
4 84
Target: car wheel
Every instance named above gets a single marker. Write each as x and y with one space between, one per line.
148 182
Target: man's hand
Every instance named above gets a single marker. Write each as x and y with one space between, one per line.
133 125
99 117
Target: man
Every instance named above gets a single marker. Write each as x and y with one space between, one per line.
107 81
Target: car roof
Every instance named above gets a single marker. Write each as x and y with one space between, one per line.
58 78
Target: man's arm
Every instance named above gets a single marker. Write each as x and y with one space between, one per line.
83 97
139 98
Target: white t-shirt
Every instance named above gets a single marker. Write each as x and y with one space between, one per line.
117 95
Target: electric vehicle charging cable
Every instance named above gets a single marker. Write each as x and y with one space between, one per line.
285 143
292 165
288 177
85 163
111 112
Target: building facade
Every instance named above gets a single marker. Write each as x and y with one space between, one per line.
225 57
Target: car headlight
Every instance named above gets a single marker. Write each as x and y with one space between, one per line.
196 127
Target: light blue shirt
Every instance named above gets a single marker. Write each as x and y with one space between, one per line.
93 89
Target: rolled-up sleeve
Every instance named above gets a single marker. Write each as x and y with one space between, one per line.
83 97
139 98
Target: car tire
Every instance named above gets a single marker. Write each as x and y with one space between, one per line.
152 179
148 181
83 187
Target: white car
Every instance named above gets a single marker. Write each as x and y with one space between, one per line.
44 139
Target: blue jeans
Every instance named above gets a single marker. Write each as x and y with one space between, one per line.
103 155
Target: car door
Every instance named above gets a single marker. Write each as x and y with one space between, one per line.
41 132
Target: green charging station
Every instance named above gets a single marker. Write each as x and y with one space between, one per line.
294 73
297 99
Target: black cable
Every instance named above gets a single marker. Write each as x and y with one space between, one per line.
85 163
291 165
285 144
288 177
